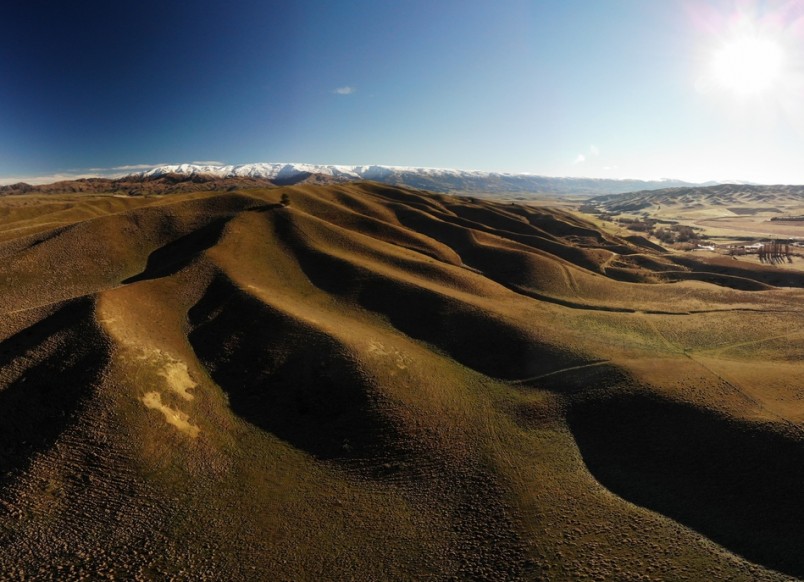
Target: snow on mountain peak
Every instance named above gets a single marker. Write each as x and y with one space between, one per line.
433 179
288 170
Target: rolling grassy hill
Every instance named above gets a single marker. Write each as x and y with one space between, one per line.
735 199
378 383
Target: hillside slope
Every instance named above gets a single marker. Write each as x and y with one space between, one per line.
376 383
721 196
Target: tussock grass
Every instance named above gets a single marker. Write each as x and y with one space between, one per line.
374 382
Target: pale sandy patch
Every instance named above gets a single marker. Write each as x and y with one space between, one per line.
175 417
175 372
178 378
378 349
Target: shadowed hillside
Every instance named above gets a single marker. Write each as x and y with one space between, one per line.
376 383
716 474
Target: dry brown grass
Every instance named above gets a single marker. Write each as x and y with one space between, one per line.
377 383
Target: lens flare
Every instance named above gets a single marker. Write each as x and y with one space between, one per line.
749 65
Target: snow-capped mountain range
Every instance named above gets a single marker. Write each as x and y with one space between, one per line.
434 179
273 171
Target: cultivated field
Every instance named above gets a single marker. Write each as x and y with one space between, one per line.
376 383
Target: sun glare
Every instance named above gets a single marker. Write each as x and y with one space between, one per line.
749 65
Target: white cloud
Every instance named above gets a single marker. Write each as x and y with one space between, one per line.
125 168
594 150
580 159
204 163
36 180
347 90
81 173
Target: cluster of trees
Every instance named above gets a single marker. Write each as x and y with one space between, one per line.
666 233
774 252
677 233
645 226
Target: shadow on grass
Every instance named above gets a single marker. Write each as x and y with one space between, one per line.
174 256
738 483
475 338
761 275
60 360
285 378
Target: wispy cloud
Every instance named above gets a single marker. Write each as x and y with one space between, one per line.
129 167
205 163
592 152
80 173
347 90
35 180
125 168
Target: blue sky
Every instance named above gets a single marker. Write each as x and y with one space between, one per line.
618 88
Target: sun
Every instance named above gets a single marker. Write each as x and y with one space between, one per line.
749 65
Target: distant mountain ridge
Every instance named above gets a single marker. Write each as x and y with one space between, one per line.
717 195
138 185
170 179
433 179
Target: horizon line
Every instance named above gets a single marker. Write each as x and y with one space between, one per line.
122 171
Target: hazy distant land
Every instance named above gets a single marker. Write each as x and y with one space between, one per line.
187 177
